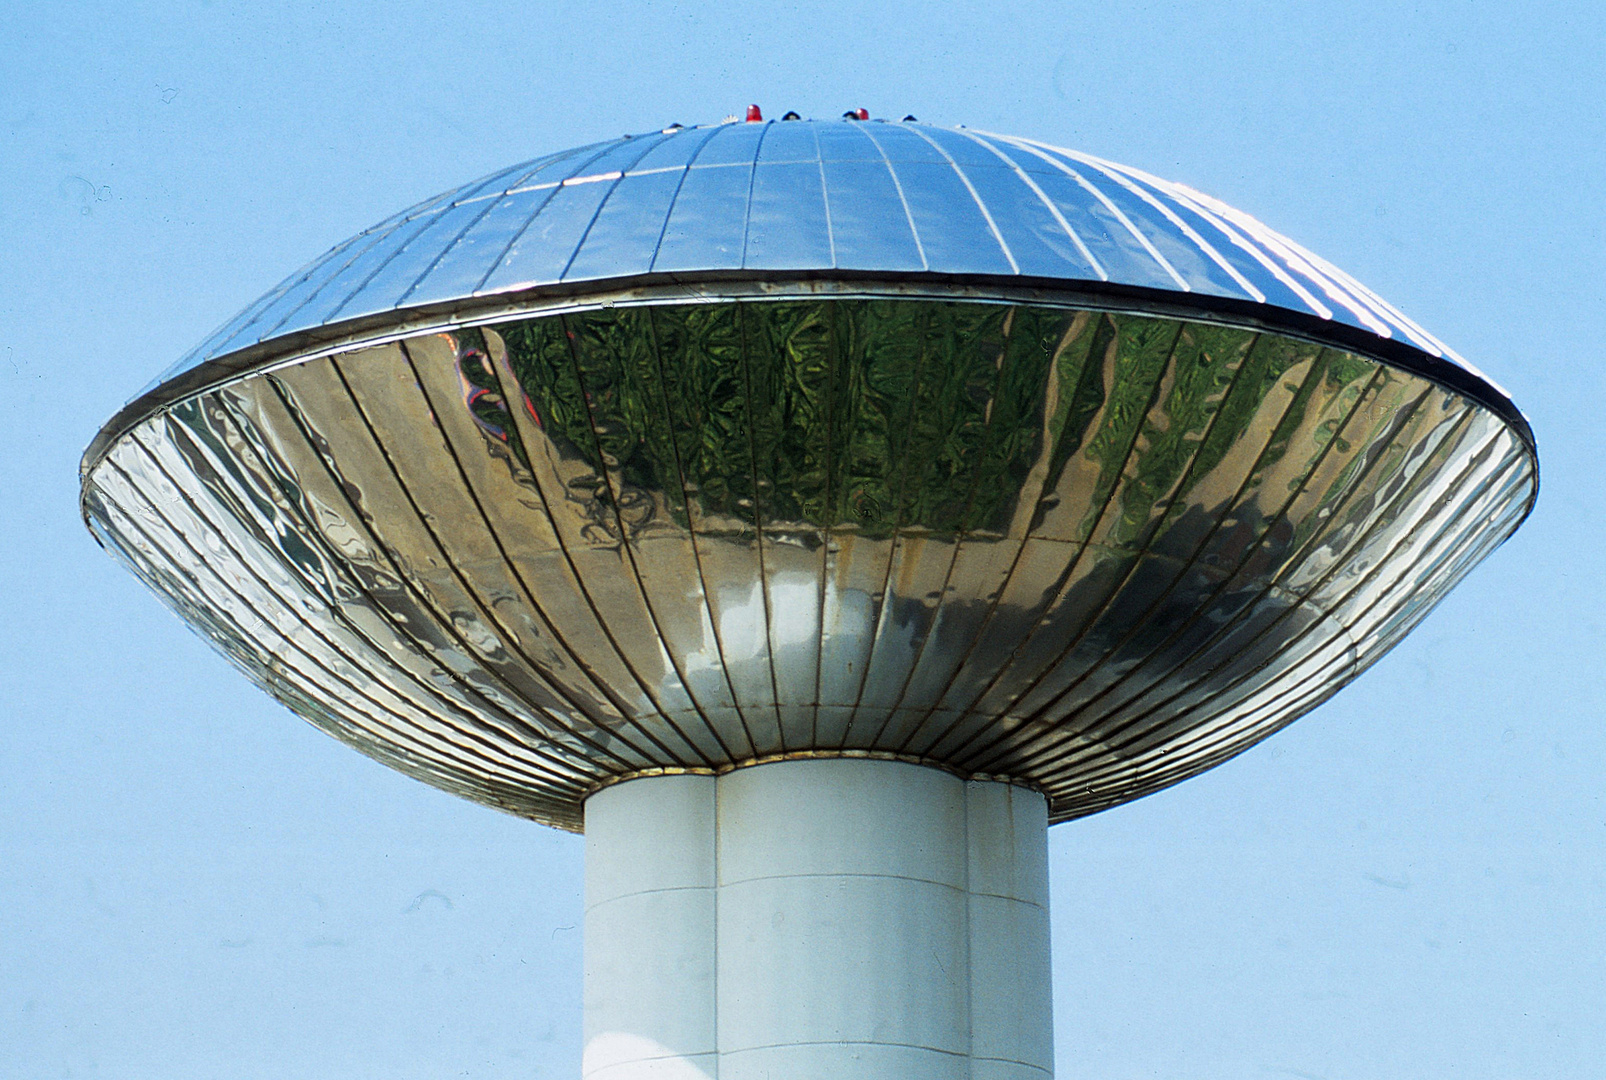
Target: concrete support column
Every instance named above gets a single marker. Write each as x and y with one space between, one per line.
844 918
650 949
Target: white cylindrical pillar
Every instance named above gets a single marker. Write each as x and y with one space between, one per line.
650 939
852 918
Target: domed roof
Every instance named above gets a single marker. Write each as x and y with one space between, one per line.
831 197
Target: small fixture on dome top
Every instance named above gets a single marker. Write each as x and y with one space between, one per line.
754 116
856 114
790 115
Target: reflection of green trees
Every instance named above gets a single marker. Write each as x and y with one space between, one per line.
880 414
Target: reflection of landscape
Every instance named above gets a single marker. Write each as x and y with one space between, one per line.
1095 552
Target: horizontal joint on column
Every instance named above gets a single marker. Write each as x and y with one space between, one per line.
649 892
1015 1062
845 1042
1005 896
833 875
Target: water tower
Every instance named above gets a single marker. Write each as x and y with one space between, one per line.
811 513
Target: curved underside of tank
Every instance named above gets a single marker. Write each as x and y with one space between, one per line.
1091 551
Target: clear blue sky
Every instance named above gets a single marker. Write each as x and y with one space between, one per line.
1411 882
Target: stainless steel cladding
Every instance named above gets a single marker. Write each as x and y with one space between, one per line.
1072 528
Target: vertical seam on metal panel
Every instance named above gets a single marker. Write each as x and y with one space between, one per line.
970 936
1059 218
892 551
925 264
669 212
897 531
691 531
719 885
985 213
390 557
758 522
630 558
510 768
752 177
1065 575
1406 492
506 375
597 213
1138 557
1354 410
849 357
517 575
828 513
519 235
825 194
521 729
959 541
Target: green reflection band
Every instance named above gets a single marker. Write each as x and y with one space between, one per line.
873 414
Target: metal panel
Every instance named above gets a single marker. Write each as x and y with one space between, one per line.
869 227
790 142
731 144
787 226
624 237
1094 552
955 234
385 285
708 223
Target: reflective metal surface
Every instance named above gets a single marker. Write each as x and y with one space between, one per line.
1093 551
903 198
